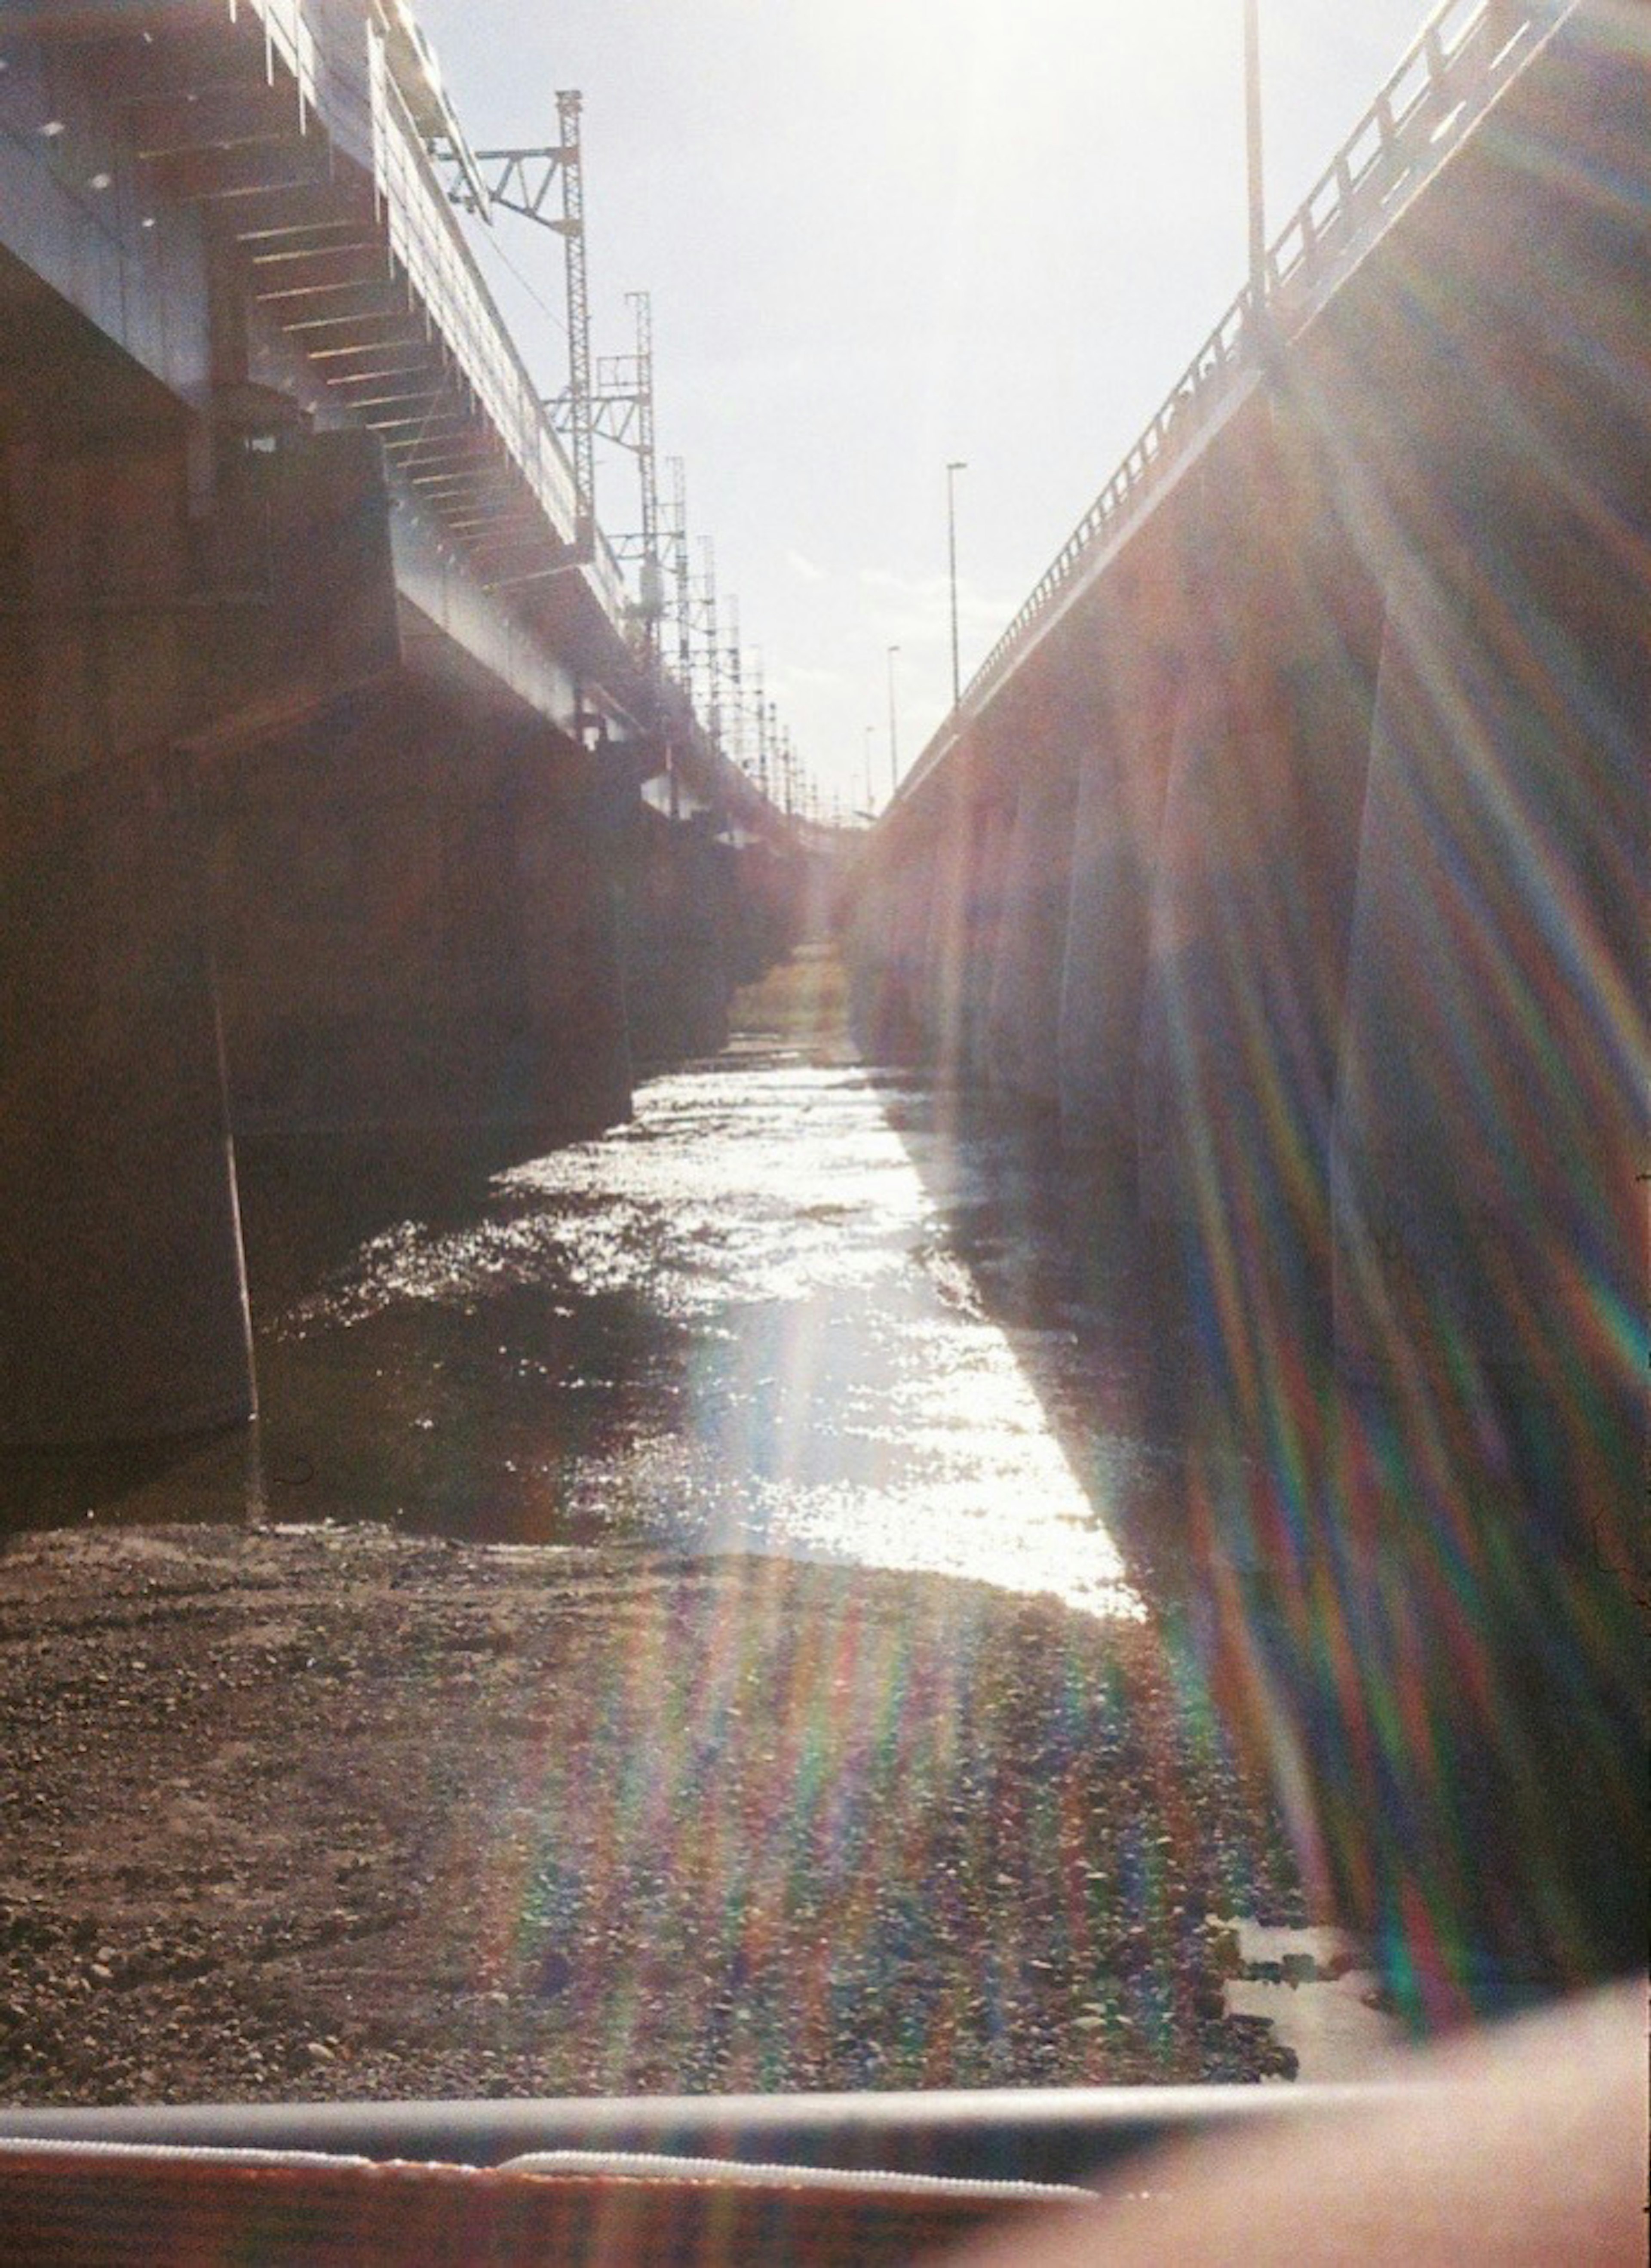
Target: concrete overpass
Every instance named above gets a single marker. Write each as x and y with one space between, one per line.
1286 862
344 804
1289 849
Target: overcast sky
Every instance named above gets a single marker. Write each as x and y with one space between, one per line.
880 234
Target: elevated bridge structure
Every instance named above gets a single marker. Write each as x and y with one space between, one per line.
1286 862
1288 848
345 803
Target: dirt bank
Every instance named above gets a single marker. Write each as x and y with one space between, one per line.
335 1812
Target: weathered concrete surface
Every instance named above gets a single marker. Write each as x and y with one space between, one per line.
1022 1036
1460 418
1122 765
415 933
1354 988
416 715
123 1307
1485 1153
123 1304
680 922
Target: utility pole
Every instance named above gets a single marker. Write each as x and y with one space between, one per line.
957 465
870 735
760 704
712 647
736 696
680 579
619 406
653 599
520 181
622 411
571 228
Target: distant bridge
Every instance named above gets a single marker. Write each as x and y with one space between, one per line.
346 799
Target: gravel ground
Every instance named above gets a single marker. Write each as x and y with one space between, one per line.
333 1812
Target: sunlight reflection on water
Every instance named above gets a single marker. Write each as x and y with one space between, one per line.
826 1384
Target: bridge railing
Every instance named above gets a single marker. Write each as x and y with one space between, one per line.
1464 54
426 240
287 34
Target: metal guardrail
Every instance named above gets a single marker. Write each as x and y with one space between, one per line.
1459 63
426 239
287 34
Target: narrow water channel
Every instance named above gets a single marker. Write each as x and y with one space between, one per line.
804 1316
794 1307
740 1323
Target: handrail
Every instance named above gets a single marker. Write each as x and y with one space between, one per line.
1440 90
287 34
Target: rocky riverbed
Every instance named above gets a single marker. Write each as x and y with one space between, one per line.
336 1812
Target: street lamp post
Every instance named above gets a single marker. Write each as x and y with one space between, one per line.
957 465
1252 160
871 731
894 756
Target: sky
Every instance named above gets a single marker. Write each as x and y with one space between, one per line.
880 235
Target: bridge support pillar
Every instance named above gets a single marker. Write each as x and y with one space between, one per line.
1251 891
1490 1266
679 914
123 1305
890 949
568 1074
122 1297
1115 830
947 942
1023 1015
966 911
417 937
1487 1214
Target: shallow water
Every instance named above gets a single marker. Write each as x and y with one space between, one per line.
799 1308
741 1323
792 1308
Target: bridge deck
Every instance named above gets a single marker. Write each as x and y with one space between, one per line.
1461 65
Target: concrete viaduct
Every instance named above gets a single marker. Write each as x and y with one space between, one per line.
1286 862
344 809
1288 852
